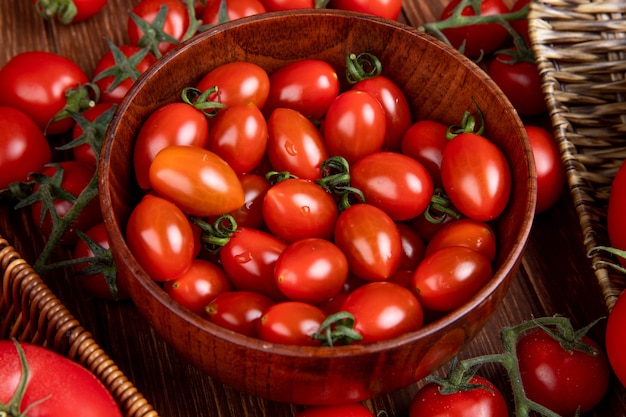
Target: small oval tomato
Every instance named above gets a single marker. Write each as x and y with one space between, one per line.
395 183
56 385
389 9
450 277
276 5
238 311
413 247
160 237
98 118
616 338
235 9
341 410
291 323
355 125
308 86
197 180
23 147
616 221
548 165
476 176
559 379
477 402
250 214
295 145
470 233
425 141
61 10
311 270
173 26
383 310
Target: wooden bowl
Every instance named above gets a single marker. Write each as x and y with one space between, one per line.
439 83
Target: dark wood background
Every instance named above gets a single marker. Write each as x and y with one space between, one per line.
555 276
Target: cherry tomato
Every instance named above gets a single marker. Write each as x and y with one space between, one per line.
425 141
174 25
23 147
559 379
276 5
341 410
311 270
413 246
450 277
295 209
370 240
291 323
355 125
237 83
476 176
616 221
548 165
383 310
395 183
161 238
389 9
477 402
295 145
616 338
521 25
235 9
197 180
64 13
308 86
470 233
36 83
56 385
238 311
250 214
94 133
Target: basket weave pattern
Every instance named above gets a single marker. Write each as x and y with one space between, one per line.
30 312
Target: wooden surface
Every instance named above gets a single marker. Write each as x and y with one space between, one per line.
555 276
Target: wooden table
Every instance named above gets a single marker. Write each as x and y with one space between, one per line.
555 276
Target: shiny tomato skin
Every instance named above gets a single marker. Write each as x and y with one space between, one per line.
470 233
84 10
450 277
197 180
249 258
85 152
558 379
67 387
23 147
291 323
198 285
239 136
311 270
276 5
413 247
235 9
295 144
250 214
340 410
355 125
238 83
395 183
308 86
35 83
171 124
548 166
397 112
477 402
296 209
238 311
383 310
615 338
425 141
521 25
476 176
616 221
389 9
175 25
160 237
370 240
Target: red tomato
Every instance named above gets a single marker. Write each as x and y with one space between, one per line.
235 9
276 5
476 176
470 233
295 145
616 338
239 136
98 118
291 323
238 311
341 410
161 238
616 221
311 270
412 247
237 83
425 141
355 125
36 83
171 124
118 69
250 214
249 258
295 209
197 180
389 9
370 240
383 310
74 178
198 286
161 38
23 147
56 385
308 86
476 40
521 25
548 165
477 402
520 82
559 379
65 13
395 183
450 277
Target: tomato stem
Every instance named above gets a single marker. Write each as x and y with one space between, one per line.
63 10
215 236
202 101
362 67
338 327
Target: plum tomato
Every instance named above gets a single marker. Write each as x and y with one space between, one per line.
235 9
339 410
615 338
616 220
548 165
413 246
291 323
277 5
389 9
470 233
238 311
250 214
425 141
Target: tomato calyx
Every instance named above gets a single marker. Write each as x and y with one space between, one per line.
338 328
468 124
613 251
77 100
124 68
93 131
63 10
336 180
440 208
153 32
215 236
202 100
362 67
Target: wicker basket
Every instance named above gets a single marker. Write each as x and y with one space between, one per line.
29 312
580 47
